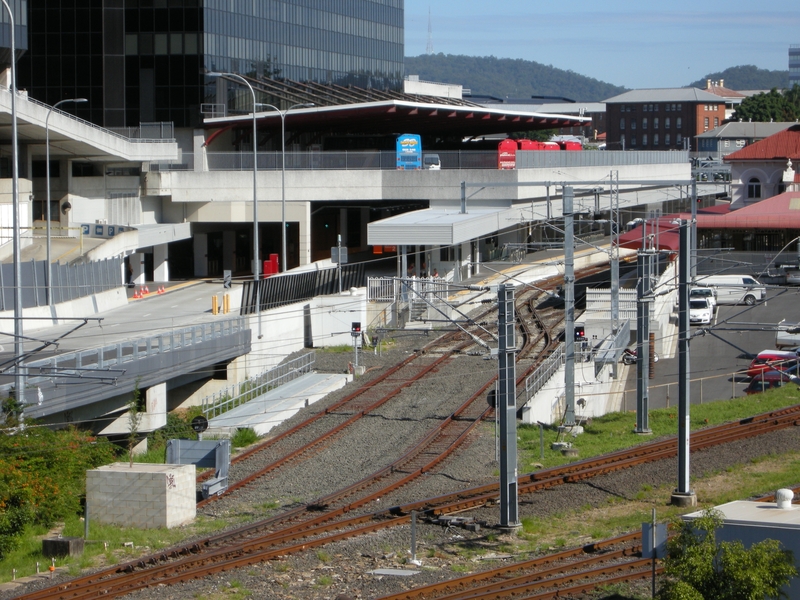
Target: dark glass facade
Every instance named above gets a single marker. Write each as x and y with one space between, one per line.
20 10
141 60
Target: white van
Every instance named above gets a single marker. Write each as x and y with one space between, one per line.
431 161
734 289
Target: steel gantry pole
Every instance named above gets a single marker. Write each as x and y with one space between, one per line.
47 177
507 407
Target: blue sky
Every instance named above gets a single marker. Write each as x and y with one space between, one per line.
628 43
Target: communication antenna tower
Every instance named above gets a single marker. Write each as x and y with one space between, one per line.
429 49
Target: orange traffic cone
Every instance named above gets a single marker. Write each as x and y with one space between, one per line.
136 295
146 290
161 289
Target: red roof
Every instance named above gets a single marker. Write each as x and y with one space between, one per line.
780 146
778 212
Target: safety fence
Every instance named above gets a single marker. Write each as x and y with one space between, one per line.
69 281
239 393
281 290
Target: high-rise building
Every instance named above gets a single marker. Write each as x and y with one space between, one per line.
143 60
794 64
20 8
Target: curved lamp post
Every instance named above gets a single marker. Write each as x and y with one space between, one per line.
47 177
282 113
256 262
19 381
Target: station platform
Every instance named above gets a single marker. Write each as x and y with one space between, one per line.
263 413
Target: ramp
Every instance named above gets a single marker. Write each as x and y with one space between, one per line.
268 410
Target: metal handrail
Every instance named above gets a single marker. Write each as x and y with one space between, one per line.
130 350
27 98
240 393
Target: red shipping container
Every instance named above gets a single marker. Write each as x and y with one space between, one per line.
570 145
529 145
507 154
550 146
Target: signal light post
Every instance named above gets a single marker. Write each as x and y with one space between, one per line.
355 331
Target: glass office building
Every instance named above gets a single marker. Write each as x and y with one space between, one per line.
142 60
20 10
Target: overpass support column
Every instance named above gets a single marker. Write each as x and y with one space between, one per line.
137 268
201 255
155 414
160 262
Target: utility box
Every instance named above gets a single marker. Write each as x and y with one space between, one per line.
146 496
62 546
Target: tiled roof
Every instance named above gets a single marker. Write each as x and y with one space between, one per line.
724 92
664 95
746 130
777 212
780 146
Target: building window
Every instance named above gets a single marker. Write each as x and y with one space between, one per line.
655 122
633 124
633 141
655 107
644 139
754 188
644 123
622 123
679 107
655 139
679 139
705 123
666 139
678 122
716 121
667 123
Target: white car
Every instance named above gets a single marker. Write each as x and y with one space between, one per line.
700 311
704 292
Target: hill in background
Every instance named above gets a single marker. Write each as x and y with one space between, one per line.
517 78
508 78
747 77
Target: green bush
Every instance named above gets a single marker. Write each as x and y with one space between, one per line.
244 437
43 476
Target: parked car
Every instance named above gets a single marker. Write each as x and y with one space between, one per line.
787 335
771 379
792 276
700 311
709 294
431 161
776 360
734 289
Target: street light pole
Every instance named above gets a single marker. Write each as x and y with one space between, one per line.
256 262
19 381
282 113
47 177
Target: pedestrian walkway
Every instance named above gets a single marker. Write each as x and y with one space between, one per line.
268 410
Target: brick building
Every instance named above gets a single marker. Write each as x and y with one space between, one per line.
661 119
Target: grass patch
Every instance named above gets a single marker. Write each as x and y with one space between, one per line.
338 349
244 437
615 431
325 580
105 547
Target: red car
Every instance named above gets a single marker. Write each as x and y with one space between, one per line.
778 360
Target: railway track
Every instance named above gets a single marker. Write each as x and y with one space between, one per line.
218 554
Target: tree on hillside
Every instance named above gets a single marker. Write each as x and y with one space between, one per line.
508 78
773 106
700 568
746 77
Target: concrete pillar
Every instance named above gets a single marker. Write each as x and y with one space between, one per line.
200 254
305 234
228 249
161 262
199 149
137 268
343 225
155 414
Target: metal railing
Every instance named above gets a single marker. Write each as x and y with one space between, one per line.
549 367
26 98
239 393
113 355
387 289
69 281
530 159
